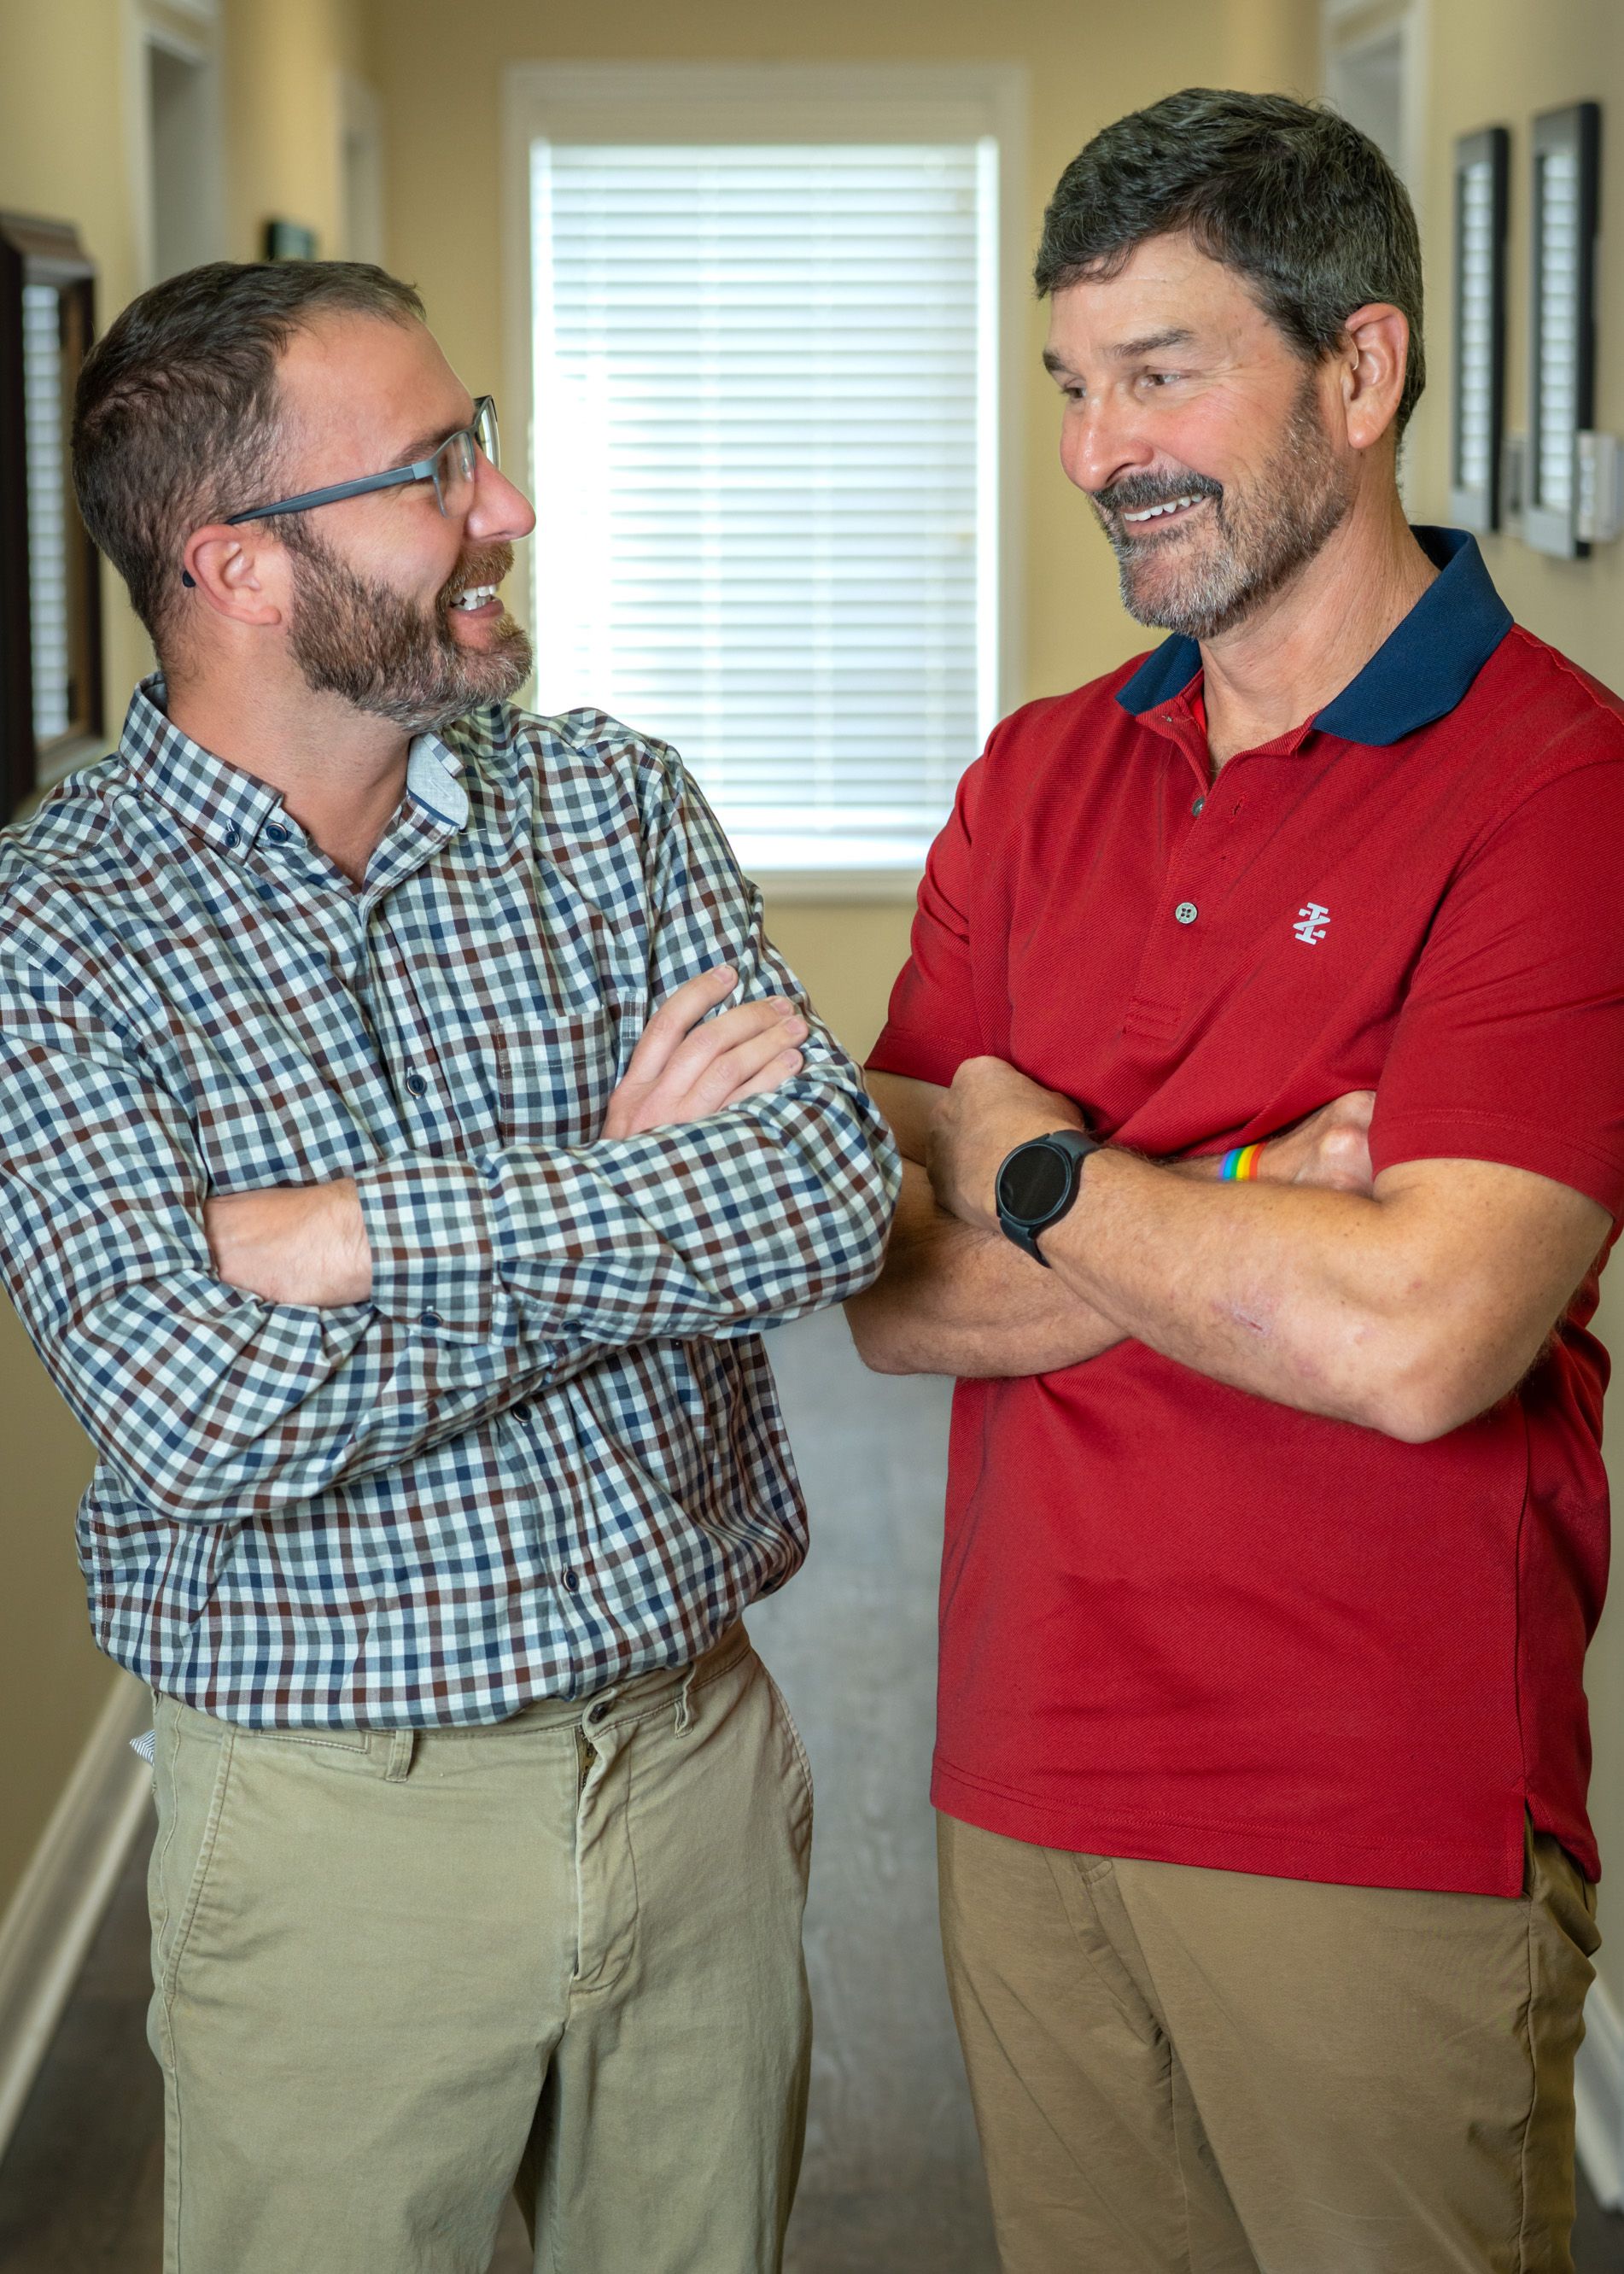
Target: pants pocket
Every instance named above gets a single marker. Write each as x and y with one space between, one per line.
191 1771
798 1751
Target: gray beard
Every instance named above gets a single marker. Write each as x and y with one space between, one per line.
1263 546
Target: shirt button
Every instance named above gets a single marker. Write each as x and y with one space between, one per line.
571 1583
416 1084
277 834
234 835
430 1319
1185 913
1197 808
521 1412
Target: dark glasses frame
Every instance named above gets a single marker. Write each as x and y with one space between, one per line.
482 433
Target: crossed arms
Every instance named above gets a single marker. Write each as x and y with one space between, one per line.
1408 1304
492 1277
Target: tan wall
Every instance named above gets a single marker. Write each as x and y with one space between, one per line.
66 153
1499 63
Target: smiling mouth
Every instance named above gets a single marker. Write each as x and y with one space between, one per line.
478 596
1159 516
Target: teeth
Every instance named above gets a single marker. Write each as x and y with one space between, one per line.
1155 512
474 598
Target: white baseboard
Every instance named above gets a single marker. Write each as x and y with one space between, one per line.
1598 2099
47 1926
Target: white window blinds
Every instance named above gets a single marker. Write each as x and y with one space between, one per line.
763 436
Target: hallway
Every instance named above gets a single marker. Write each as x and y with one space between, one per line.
892 2183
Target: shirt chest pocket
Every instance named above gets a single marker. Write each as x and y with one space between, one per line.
554 1076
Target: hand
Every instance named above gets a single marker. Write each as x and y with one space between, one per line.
1330 1150
988 1110
686 1066
305 1245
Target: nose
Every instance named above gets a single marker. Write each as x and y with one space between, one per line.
1099 441
500 513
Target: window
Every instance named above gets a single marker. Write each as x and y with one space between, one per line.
50 632
764 388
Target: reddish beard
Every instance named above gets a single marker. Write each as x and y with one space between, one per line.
359 638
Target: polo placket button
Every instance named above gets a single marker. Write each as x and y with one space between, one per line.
1185 913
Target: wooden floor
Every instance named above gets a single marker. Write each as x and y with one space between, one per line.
892 2183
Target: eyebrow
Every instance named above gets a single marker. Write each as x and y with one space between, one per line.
424 445
1128 350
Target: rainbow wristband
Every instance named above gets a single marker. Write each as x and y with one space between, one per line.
1241 1166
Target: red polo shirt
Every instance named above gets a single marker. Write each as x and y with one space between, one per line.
1178 1620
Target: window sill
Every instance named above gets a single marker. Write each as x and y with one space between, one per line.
896 887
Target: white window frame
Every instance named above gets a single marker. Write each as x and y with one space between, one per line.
668 103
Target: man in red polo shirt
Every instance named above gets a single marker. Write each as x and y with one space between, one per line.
1277 1517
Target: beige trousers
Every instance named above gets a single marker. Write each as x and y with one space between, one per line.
1179 2071
397 1974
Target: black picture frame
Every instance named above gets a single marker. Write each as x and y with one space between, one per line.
289 240
1566 165
47 325
1477 400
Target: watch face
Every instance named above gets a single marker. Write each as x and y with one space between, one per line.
1033 1181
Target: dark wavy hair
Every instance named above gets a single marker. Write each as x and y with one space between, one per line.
1286 193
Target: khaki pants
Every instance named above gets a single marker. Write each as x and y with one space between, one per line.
1179 2071
396 1976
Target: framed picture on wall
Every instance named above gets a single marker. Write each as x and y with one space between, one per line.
1566 156
50 589
1478 408
289 240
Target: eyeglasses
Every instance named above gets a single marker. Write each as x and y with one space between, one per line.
450 468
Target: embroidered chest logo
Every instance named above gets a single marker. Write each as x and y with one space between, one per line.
1312 923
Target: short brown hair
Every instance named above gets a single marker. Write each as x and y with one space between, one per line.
1287 193
176 419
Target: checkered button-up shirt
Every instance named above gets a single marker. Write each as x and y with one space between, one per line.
545 1454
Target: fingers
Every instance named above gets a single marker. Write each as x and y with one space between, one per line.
746 1027
1354 1109
772 1076
713 1063
677 1016
693 1064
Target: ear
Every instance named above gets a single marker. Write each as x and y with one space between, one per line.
237 572
1374 356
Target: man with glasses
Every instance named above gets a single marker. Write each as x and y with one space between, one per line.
396 1205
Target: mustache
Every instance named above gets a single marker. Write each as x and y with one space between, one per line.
1137 493
488 567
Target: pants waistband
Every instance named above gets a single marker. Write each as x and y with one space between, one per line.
389 1753
624 1701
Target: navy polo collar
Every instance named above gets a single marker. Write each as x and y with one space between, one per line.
1418 673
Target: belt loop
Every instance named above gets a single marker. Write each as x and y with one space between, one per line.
683 1719
402 1743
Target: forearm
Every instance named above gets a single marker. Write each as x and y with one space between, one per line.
759 1213
213 1405
955 1300
1353 1306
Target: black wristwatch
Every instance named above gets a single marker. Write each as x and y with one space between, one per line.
1038 1183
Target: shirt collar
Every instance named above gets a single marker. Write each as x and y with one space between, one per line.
228 807
1421 671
